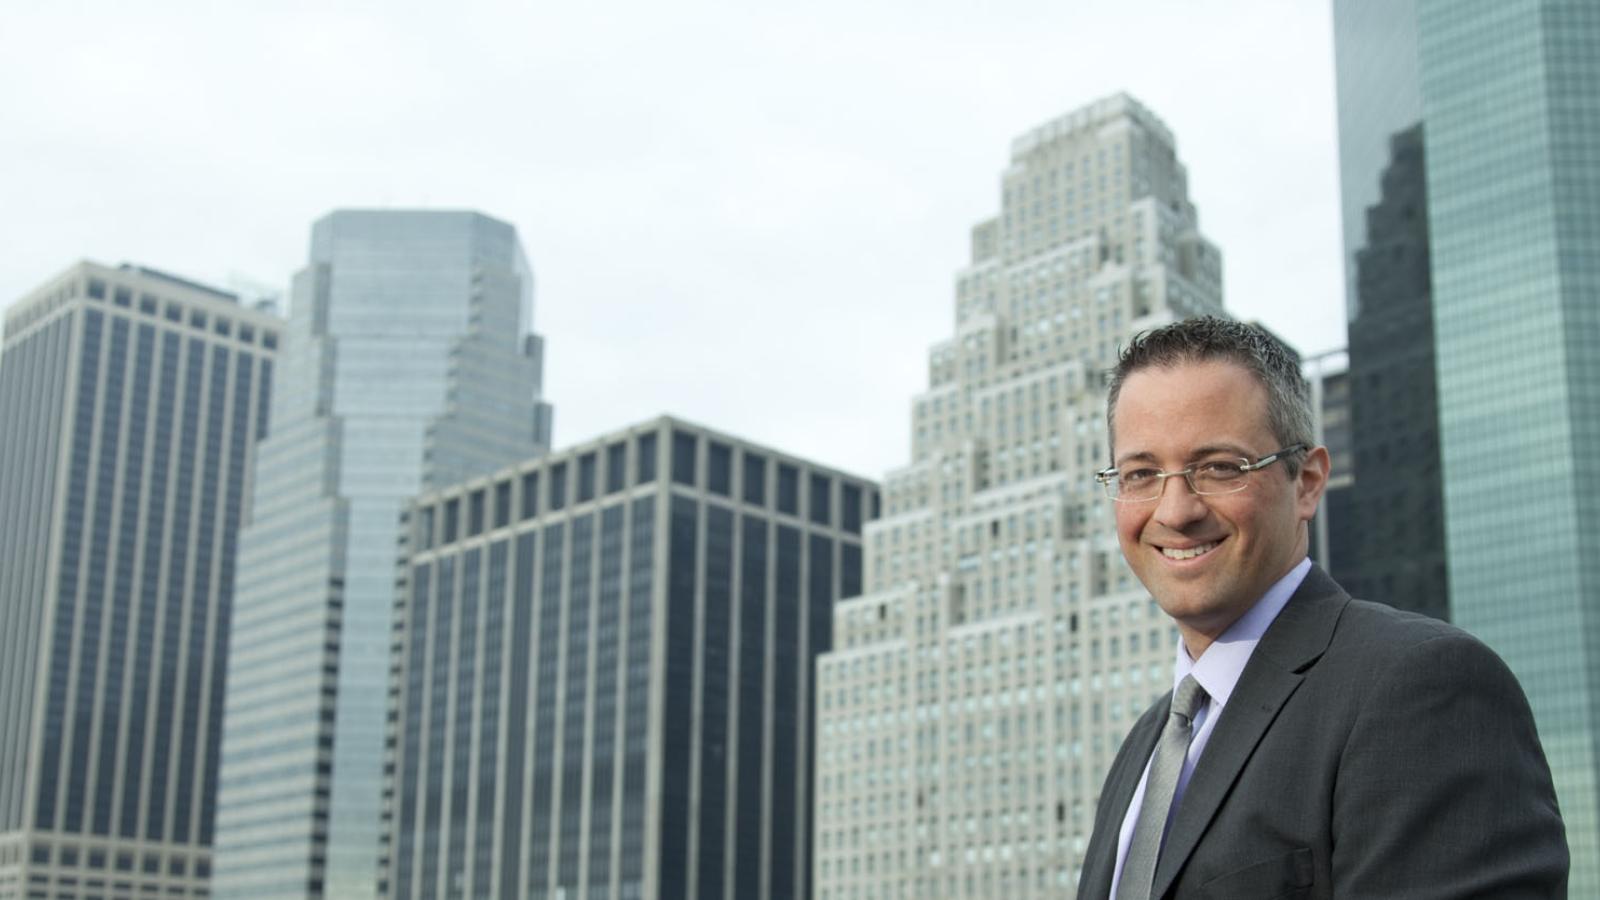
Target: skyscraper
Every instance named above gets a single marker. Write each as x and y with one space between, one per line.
1388 523
976 693
408 365
130 404
1379 95
1393 530
1513 183
1503 166
603 671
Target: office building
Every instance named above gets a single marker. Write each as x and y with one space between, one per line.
977 691
1328 376
1503 164
408 365
130 405
603 671
1392 527
1512 142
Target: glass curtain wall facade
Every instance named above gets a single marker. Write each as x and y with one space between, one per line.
130 405
1513 162
1387 525
409 365
1379 91
977 691
1392 530
603 668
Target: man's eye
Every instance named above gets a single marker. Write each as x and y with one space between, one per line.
1220 469
1137 476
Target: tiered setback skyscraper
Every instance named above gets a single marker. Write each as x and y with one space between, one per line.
408 366
1513 161
130 404
603 671
977 692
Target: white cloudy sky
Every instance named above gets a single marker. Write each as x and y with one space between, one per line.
749 215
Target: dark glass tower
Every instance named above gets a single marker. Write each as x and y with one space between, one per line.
130 405
604 669
1392 528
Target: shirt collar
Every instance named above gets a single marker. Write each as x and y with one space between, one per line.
1219 667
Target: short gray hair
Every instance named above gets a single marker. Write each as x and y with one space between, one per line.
1251 347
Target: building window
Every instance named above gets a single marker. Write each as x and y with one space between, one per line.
586 477
530 494
683 457
502 504
558 486
755 479
788 489
647 458
850 501
452 519
425 529
719 469
616 468
821 497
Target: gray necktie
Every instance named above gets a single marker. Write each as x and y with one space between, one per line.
1139 869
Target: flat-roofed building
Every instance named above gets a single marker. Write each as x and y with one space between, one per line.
130 406
603 669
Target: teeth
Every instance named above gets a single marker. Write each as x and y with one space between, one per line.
1190 553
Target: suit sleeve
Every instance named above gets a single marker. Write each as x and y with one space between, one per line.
1442 788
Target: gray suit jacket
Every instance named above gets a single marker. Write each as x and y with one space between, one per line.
1364 753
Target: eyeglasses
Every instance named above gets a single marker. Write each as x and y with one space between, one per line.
1221 475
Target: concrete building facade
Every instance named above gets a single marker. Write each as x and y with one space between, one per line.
978 689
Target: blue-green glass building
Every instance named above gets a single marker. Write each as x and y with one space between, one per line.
409 364
1511 104
1507 93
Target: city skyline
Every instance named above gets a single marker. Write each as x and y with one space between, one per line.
660 199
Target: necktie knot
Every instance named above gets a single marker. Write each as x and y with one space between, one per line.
1186 700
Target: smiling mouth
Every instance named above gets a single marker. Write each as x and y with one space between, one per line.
1189 553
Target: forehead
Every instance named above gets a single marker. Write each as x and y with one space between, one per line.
1176 407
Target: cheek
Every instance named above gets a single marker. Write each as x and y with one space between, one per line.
1130 523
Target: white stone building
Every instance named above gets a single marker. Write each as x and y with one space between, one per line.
978 690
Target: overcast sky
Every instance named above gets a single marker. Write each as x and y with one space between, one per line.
748 217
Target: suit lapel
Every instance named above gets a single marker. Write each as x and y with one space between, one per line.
1291 645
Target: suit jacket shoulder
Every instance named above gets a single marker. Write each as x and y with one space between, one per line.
1365 752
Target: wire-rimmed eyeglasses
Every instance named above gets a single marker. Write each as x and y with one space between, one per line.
1208 477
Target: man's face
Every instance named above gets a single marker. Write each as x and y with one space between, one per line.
1207 560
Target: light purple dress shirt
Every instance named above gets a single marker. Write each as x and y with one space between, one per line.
1218 670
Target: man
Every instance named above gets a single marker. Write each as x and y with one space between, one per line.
1319 746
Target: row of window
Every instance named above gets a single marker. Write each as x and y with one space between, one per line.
587 476
172 311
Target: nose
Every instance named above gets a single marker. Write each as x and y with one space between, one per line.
1179 505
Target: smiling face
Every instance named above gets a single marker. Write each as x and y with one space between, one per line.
1207 560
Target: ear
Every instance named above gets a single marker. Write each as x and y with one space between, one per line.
1311 482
